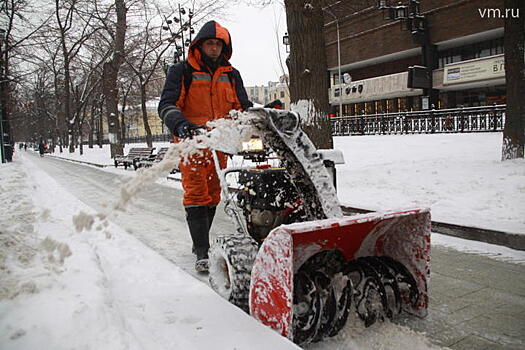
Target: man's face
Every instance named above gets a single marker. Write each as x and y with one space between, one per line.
212 48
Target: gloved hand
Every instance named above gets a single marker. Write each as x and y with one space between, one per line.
277 104
186 129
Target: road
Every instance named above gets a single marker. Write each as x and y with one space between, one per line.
476 302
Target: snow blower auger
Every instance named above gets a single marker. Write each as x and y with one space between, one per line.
296 263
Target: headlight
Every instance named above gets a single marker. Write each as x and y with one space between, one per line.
255 144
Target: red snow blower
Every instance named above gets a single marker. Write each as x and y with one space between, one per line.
296 263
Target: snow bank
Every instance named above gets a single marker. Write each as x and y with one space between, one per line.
100 289
459 176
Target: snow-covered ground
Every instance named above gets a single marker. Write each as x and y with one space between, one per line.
459 176
103 288
99 289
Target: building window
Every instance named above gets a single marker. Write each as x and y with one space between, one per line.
472 51
282 94
335 79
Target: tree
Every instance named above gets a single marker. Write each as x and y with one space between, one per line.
514 39
144 61
307 66
307 63
74 29
18 26
110 75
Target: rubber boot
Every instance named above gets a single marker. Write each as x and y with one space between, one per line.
197 218
211 214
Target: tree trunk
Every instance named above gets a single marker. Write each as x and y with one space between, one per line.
123 119
123 126
67 76
110 74
80 127
100 121
308 68
514 39
92 124
145 120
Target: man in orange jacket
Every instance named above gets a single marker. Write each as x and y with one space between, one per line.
203 88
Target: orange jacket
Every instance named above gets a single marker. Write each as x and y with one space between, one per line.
210 95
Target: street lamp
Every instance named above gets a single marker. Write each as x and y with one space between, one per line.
414 21
286 42
185 25
327 10
2 101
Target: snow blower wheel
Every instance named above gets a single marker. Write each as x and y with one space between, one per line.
369 294
307 308
231 261
331 287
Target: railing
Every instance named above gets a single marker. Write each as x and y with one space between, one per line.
137 139
154 138
470 119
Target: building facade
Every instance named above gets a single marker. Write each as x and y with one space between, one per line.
258 94
425 54
135 123
271 92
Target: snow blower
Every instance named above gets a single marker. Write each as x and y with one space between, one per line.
296 263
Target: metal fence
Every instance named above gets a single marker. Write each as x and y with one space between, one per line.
155 138
470 119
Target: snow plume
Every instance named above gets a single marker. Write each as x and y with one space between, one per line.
227 135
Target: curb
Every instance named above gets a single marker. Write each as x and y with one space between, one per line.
79 161
501 238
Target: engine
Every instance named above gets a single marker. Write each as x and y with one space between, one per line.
268 199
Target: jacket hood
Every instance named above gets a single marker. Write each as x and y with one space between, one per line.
210 30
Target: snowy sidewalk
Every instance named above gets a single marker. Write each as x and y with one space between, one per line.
100 289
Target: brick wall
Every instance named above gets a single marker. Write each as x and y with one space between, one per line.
367 35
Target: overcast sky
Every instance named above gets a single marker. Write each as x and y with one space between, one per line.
254 38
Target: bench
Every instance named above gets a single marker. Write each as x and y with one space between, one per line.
153 159
135 155
156 158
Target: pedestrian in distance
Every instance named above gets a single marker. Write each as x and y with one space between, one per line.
41 148
205 87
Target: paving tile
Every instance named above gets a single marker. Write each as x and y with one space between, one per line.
512 309
475 302
499 328
473 342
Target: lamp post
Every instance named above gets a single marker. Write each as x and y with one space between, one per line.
2 101
414 21
185 25
286 42
338 60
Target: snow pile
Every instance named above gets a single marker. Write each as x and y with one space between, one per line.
380 336
459 176
21 247
71 290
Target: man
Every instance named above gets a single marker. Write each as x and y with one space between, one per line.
201 89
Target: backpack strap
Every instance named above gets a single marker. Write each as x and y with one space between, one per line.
187 71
